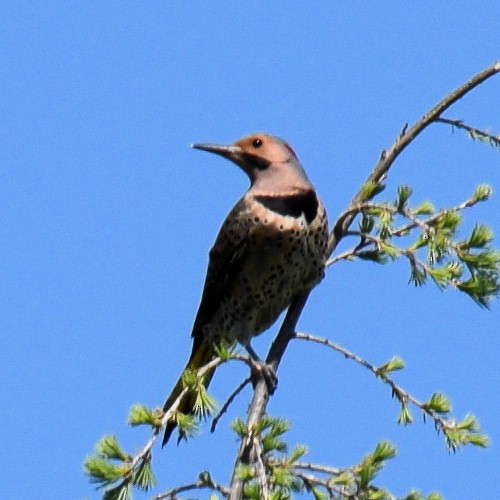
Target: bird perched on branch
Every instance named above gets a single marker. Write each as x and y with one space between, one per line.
270 248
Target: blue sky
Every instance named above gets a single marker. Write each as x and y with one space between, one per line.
108 216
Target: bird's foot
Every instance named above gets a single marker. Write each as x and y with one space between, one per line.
261 370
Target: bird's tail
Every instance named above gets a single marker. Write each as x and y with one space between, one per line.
201 354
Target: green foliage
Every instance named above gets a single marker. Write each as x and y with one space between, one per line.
415 495
367 223
239 427
204 404
111 465
404 193
224 350
122 492
425 208
385 224
395 363
482 192
479 135
298 452
370 189
286 475
405 417
109 448
144 477
283 475
370 466
272 437
190 379
188 425
438 403
469 265
279 468
317 493
101 471
480 288
142 415
245 472
376 256
388 250
465 432
481 235
417 275
438 407
384 451
442 276
458 434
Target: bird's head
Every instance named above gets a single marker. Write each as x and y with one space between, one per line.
270 162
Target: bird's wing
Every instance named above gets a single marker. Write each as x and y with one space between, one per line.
224 262
225 259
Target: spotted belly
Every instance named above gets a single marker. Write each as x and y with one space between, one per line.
279 263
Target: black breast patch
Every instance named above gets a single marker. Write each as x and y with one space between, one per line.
294 205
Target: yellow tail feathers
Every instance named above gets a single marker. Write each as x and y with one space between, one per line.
200 356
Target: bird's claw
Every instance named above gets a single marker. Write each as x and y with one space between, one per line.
261 370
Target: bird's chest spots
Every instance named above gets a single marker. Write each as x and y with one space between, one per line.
282 257
278 265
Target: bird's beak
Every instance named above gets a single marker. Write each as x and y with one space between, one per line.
231 152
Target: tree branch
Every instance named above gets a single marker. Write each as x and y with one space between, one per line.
198 485
261 391
402 142
441 422
473 132
229 400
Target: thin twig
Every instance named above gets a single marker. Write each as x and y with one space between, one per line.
332 488
261 469
347 255
229 400
365 238
462 206
198 485
402 395
333 471
255 367
473 132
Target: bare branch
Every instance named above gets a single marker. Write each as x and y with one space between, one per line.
333 471
417 222
261 469
402 395
332 488
347 255
198 485
229 400
473 132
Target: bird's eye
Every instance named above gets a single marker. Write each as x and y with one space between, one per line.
257 143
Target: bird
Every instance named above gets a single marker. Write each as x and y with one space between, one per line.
271 247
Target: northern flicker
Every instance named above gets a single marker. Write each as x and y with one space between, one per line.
270 248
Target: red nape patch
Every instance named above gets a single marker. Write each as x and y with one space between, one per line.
290 149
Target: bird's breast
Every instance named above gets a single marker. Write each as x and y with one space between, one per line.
282 257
